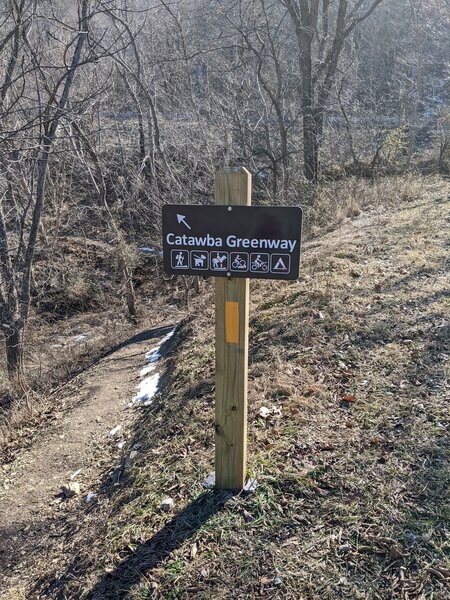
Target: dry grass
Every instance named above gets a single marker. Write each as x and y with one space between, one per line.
352 459
72 325
336 202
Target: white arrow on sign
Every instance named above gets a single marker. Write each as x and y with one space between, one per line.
181 219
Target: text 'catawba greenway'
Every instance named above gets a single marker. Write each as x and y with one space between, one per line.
231 241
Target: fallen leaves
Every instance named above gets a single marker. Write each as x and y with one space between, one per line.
376 440
305 469
396 552
113 431
348 398
389 546
440 572
270 581
275 412
194 550
71 489
264 412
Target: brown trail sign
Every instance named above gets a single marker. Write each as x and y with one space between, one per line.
233 242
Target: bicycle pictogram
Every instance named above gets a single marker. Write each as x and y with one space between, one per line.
259 263
239 261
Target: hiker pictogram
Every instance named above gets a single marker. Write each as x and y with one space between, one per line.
180 259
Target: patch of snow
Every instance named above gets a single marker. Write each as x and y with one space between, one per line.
150 250
168 336
149 386
64 341
113 432
146 370
167 504
153 355
90 496
147 389
75 474
79 338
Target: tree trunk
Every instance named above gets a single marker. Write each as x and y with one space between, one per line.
316 88
14 354
311 131
99 182
310 141
310 146
128 282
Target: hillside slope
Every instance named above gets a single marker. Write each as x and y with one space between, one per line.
348 438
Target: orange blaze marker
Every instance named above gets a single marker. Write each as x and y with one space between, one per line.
232 322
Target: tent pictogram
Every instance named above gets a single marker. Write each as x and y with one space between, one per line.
280 263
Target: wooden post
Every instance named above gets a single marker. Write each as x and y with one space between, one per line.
232 187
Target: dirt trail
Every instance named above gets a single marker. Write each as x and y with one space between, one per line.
358 349
33 514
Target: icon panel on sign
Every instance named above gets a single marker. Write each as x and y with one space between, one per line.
219 261
259 263
239 261
199 259
180 259
280 263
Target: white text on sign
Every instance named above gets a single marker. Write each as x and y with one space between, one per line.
231 241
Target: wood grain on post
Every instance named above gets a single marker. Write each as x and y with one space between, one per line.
233 187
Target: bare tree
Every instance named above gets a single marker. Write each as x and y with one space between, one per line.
320 45
98 180
35 98
180 90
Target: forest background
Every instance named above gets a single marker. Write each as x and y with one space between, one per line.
111 108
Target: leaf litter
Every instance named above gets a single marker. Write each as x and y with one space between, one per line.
350 503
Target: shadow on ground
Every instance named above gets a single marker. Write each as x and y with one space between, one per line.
143 336
181 527
152 552
147 556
